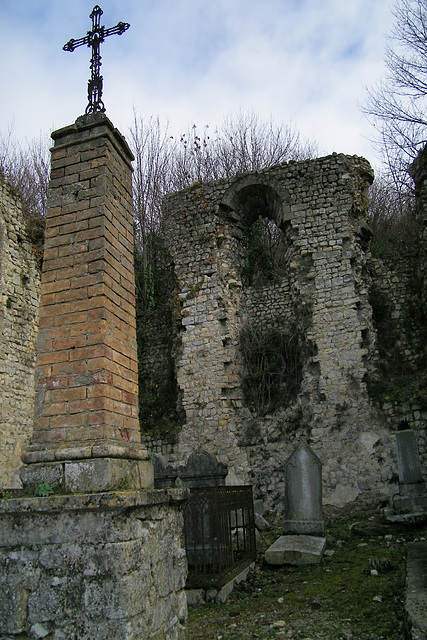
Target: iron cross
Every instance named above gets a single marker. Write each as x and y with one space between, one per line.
93 39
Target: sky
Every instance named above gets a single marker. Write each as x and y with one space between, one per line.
304 63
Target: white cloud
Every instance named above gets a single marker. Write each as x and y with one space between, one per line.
196 60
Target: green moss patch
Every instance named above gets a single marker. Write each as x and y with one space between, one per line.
339 599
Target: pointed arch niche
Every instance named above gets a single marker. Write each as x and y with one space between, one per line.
272 338
261 213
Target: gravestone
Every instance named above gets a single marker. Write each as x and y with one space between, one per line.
303 542
408 460
412 497
303 492
202 470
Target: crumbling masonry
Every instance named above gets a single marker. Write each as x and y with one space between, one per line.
318 316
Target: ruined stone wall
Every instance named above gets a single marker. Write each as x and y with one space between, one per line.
20 290
402 343
329 274
321 207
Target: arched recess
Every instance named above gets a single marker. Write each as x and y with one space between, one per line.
255 196
261 215
272 337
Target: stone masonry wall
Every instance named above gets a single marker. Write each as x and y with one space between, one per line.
409 348
321 208
20 291
85 567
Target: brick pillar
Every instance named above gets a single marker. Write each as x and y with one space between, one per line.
86 430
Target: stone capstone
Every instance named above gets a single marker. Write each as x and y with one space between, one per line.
296 550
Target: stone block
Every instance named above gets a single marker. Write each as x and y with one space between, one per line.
89 475
35 474
296 550
87 566
107 474
410 504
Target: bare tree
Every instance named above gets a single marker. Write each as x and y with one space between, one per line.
27 167
398 104
241 143
392 219
166 162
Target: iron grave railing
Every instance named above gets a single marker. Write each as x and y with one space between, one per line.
219 528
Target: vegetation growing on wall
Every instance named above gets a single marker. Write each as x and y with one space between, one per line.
273 363
158 392
397 378
35 227
158 400
396 237
264 254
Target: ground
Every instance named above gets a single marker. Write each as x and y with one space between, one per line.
356 593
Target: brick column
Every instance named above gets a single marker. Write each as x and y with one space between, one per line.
86 430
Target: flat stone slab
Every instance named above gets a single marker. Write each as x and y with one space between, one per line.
296 550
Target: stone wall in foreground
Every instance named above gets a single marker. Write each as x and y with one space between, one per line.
100 566
19 304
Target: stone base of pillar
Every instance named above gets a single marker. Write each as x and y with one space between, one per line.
89 475
107 565
412 498
308 527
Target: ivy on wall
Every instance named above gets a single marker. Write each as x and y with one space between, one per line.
264 253
273 363
158 390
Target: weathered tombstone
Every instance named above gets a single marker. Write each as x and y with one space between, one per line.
203 470
408 460
412 497
303 492
303 528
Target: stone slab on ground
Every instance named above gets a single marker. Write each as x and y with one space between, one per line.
296 550
416 590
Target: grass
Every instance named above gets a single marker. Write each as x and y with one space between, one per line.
340 599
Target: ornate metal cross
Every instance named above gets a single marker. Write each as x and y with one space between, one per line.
93 39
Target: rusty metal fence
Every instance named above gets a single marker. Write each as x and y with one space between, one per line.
219 528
